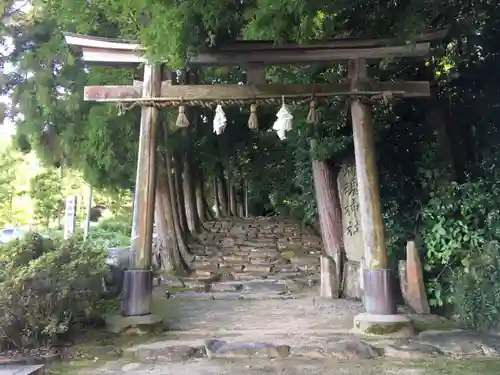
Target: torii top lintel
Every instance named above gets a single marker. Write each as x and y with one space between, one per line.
125 52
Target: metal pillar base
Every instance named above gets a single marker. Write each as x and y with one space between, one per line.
379 294
136 294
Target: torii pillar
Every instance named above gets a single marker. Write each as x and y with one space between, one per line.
138 279
381 310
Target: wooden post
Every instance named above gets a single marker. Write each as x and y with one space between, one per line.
70 216
377 279
246 198
138 280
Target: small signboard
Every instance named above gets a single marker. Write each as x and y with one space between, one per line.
70 216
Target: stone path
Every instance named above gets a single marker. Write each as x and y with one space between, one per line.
302 335
251 308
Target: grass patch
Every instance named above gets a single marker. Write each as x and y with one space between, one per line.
94 348
433 322
460 367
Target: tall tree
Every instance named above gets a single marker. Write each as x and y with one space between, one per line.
46 194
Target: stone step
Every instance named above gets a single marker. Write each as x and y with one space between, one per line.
259 242
245 276
200 264
285 268
226 286
206 250
286 275
265 268
231 296
208 258
253 251
226 269
305 260
198 284
270 260
206 272
235 259
203 273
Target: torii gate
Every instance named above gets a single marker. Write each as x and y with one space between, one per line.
153 93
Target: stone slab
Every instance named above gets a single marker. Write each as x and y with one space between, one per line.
410 350
262 286
166 351
21 370
347 349
222 349
461 343
352 285
328 284
226 286
233 295
416 294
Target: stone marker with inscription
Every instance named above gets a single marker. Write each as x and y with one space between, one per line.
351 223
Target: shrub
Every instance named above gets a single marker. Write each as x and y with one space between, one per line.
477 290
47 288
111 233
119 226
461 232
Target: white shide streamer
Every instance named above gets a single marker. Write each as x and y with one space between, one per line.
283 122
220 120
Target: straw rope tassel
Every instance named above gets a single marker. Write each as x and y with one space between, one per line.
253 120
312 116
182 120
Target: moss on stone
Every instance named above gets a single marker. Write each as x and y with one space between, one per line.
93 349
385 328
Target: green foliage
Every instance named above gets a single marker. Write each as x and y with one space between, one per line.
47 288
9 164
458 223
45 191
477 293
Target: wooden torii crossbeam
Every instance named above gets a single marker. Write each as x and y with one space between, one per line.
152 94
252 54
